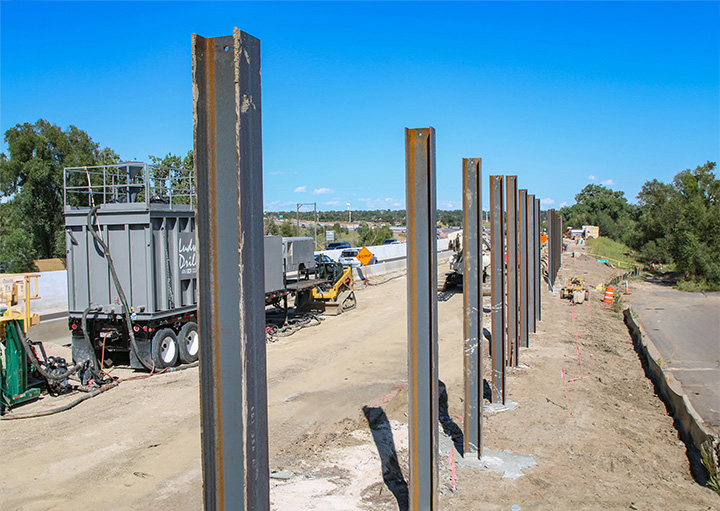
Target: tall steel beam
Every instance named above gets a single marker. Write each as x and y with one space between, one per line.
538 273
522 270
422 330
472 301
551 248
533 239
231 302
512 255
497 282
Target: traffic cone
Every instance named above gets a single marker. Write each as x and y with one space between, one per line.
609 295
627 288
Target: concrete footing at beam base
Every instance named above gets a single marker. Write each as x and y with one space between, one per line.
510 464
688 422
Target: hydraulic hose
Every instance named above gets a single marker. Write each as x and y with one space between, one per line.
36 363
118 286
85 397
93 358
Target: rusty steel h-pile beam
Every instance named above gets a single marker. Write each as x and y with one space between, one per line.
533 278
497 244
422 328
472 302
231 309
522 269
538 273
555 242
511 309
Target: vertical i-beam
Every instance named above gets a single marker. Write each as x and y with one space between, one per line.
472 301
551 248
422 332
231 304
497 282
538 274
511 244
532 237
522 270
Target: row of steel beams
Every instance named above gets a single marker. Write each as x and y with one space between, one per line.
233 379
472 303
515 274
231 312
422 330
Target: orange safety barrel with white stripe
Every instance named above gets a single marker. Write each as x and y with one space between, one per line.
609 294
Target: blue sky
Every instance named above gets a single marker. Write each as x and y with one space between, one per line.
559 94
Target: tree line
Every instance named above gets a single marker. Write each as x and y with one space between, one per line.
676 222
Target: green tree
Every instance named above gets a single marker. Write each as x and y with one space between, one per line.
271 227
369 236
287 230
604 207
365 234
17 254
657 216
174 173
31 181
694 239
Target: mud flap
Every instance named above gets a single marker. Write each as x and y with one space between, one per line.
144 349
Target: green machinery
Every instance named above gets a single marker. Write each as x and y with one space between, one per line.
14 367
16 383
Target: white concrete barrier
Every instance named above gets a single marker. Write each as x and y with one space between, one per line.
52 288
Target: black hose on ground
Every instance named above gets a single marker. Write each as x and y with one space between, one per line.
85 397
36 363
118 286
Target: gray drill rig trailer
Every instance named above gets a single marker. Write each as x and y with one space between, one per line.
131 264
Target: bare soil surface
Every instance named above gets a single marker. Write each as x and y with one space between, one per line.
338 422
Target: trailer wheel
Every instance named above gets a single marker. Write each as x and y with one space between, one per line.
189 343
164 348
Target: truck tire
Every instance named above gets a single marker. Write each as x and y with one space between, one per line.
164 349
188 343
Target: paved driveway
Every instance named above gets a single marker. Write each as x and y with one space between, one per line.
685 328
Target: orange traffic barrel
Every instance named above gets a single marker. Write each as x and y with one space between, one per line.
609 294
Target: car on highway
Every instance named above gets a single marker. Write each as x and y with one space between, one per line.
389 241
349 258
323 258
336 245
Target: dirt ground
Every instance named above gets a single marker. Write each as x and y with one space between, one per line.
337 407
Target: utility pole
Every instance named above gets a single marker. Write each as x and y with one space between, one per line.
314 205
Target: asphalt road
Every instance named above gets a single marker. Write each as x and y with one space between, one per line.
685 328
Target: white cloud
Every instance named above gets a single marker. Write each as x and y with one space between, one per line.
548 201
592 178
300 189
335 203
563 204
449 205
323 191
277 205
607 182
381 203
277 173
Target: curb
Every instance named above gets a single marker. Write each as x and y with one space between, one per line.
688 421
